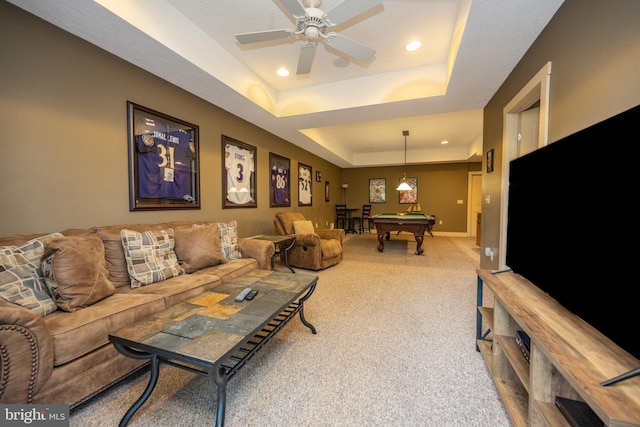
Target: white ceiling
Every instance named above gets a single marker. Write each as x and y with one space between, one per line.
348 112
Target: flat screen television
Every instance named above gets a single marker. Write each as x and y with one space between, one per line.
572 227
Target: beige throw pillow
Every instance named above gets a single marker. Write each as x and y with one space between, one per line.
199 247
303 227
75 271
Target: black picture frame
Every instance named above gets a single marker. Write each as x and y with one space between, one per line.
327 191
164 158
377 190
305 185
239 166
409 196
490 160
318 176
279 180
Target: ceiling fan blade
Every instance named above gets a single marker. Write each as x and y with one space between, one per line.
307 53
350 47
348 9
294 7
262 36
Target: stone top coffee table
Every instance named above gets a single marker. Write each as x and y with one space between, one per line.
212 334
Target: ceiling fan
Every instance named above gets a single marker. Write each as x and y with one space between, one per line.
311 26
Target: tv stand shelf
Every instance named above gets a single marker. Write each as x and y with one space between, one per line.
568 357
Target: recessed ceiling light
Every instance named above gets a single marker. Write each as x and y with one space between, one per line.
444 142
282 72
413 45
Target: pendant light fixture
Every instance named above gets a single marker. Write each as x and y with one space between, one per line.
403 183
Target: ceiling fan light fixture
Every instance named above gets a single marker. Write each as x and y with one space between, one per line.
311 33
311 25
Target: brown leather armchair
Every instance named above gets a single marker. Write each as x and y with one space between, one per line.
311 251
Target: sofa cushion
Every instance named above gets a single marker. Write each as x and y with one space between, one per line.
21 278
150 256
231 270
198 247
229 240
303 227
180 288
78 333
75 271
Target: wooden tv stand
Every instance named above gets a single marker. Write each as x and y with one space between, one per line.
568 357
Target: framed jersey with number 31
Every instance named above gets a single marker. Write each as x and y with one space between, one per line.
163 161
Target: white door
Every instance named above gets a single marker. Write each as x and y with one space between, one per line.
475 202
528 130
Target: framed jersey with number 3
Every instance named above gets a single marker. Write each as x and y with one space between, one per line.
239 164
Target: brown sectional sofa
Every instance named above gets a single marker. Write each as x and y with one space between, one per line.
66 357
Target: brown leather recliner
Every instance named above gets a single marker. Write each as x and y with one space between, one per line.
311 251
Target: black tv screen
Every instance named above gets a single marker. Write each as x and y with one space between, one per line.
573 227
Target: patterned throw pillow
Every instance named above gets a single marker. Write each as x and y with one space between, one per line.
75 271
150 256
21 278
229 240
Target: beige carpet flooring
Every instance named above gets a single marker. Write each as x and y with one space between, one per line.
395 347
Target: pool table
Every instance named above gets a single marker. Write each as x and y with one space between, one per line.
416 223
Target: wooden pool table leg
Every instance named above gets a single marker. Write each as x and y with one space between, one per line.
419 240
381 241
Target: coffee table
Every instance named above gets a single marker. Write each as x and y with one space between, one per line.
211 334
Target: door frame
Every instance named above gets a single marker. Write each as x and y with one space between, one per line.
537 89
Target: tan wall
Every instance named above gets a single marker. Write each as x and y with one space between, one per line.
64 137
64 144
440 186
594 47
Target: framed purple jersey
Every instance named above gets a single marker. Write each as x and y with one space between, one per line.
279 190
163 161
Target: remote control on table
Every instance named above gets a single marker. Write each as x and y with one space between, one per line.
251 294
240 297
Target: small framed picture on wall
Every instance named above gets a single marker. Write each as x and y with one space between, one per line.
490 160
377 190
409 196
